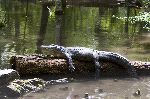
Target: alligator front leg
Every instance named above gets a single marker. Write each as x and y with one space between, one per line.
70 62
97 67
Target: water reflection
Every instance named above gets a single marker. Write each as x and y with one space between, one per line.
43 26
60 22
102 28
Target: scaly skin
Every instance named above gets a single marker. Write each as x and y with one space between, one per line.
87 54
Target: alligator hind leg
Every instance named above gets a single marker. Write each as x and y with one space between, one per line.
132 72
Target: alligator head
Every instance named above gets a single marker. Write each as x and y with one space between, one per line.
55 50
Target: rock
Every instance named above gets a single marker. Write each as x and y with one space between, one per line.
137 93
86 96
19 87
8 75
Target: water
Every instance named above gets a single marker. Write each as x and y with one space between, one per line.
100 89
116 29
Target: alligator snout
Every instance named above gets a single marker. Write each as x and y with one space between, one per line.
44 46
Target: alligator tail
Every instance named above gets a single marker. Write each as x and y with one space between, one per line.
121 61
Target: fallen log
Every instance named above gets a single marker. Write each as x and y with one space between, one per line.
142 68
39 64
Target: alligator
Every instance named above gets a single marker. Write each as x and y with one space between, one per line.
88 54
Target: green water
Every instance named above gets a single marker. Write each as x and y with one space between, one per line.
112 29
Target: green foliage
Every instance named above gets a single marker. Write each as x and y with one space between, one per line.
146 2
141 17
